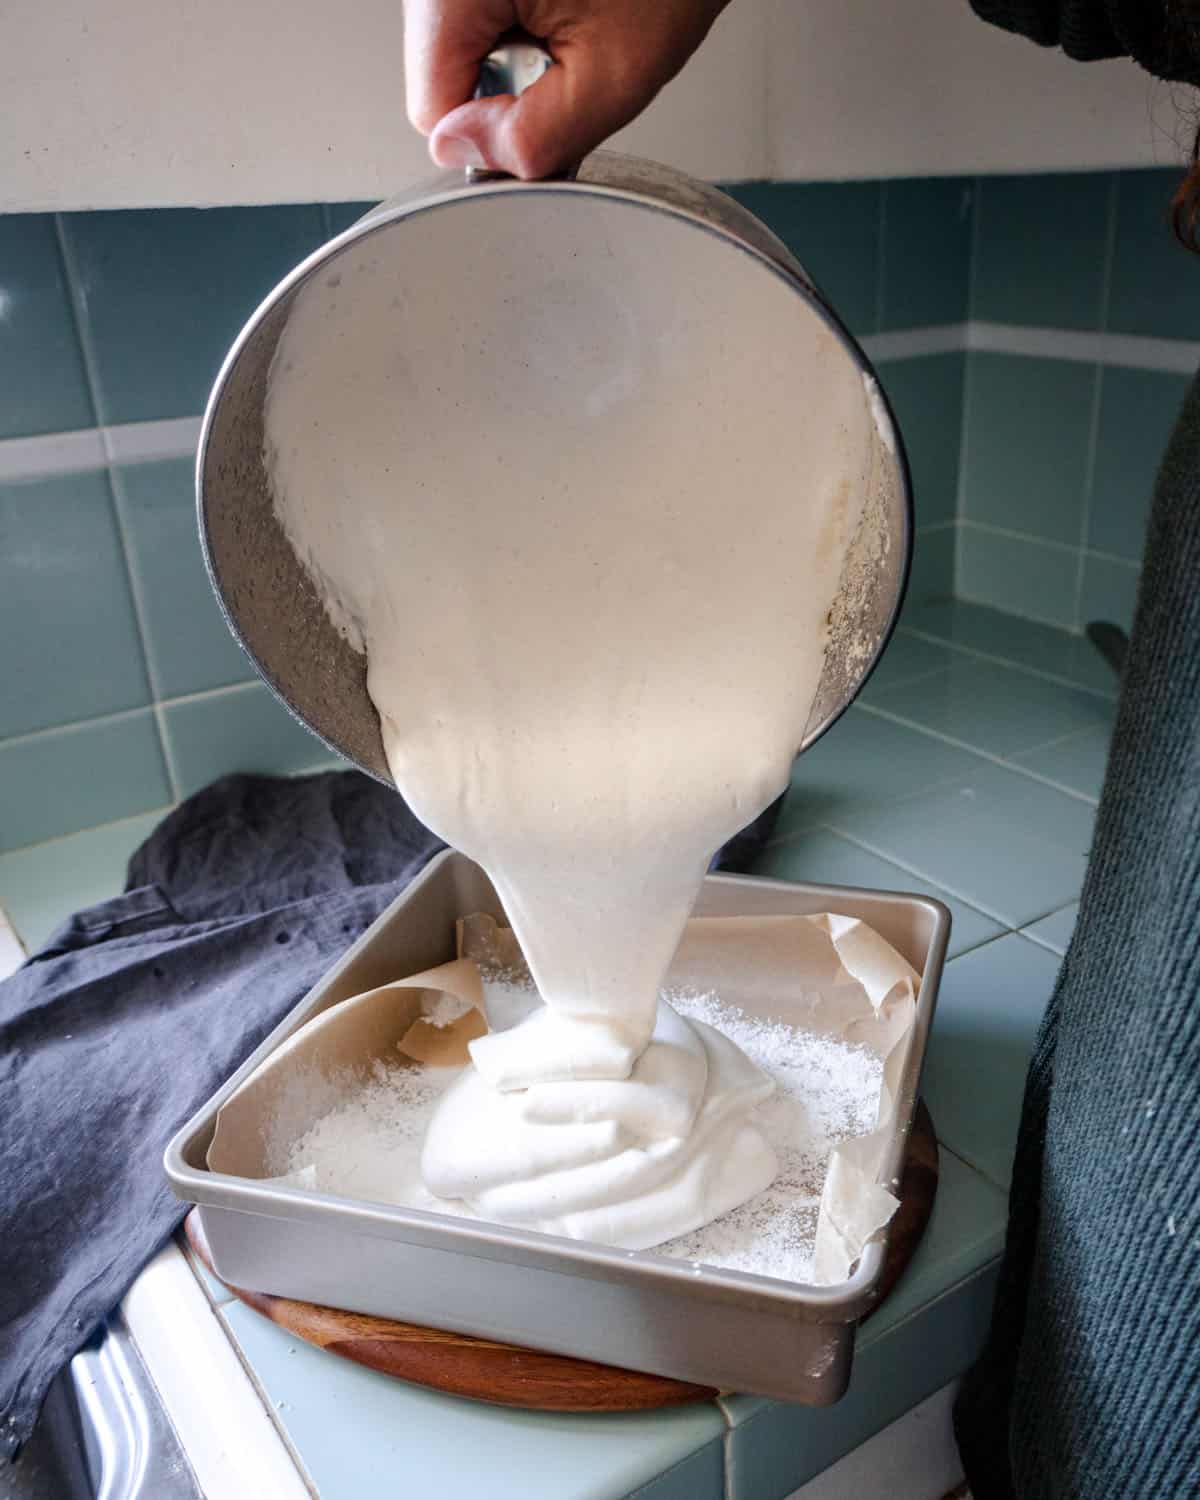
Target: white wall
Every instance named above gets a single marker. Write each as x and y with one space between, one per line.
123 102
876 88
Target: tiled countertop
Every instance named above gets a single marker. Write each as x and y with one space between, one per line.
969 770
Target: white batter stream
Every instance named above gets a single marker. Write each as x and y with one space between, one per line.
590 543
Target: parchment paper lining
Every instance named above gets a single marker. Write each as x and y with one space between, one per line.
829 975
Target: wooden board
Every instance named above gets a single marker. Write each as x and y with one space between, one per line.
508 1376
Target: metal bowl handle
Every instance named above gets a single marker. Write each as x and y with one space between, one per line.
514 64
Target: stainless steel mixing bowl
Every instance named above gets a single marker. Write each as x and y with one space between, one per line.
270 603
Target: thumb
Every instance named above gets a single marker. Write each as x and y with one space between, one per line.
592 91
444 43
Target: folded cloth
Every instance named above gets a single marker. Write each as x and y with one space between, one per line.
137 1010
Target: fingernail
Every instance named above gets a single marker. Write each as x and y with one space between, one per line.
454 151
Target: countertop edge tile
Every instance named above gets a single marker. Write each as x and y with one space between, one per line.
770 1458
700 1476
572 1455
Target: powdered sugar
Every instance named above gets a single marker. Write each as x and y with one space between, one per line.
442 1009
368 1146
826 1091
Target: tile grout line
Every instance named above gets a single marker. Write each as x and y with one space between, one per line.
79 318
163 439
261 1391
117 489
1112 557
116 497
1085 520
1089 478
915 632
1071 346
1007 926
202 693
1004 661
989 755
168 751
66 259
1059 739
1023 536
1110 250
1008 929
1044 541
973 251
43 455
904 682
1059 786
964 442
60 838
1066 906
880 267
890 859
984 603
46 455
860 843
96 720
1025 932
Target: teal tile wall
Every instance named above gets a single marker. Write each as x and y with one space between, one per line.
1032 474
161 293
1000 709
41 364
71 646
1108 590
926 252
1020 575
188 646
1061 445
893 256
340 216
99 771
245 730
1137 411
990 1005
933 566
834 229
1037 259
1029 424
888 255
1155 282
927 396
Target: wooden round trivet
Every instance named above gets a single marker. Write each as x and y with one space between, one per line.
508 1376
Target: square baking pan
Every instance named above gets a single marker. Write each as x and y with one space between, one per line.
633 1309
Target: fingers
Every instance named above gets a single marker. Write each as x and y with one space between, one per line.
444 43
593 90
612 57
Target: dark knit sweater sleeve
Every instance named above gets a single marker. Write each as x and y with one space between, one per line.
1162 35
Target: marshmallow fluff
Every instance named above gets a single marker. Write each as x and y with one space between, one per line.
589 534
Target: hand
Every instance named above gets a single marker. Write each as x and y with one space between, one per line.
613 56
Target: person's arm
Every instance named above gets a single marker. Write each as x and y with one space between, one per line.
1162 35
